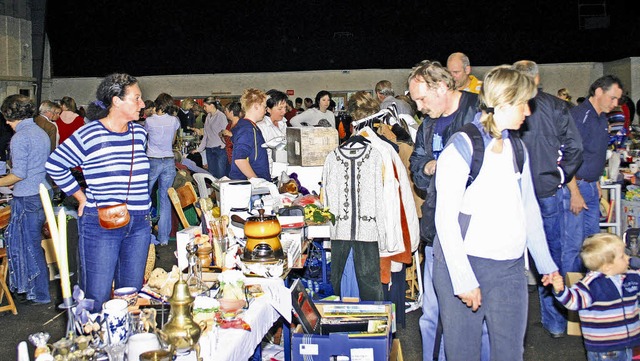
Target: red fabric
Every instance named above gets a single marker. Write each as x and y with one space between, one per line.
290 114
65 130
228 144
627 116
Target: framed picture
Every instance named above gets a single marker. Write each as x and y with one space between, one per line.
304 309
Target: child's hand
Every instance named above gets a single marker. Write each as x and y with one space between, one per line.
558 283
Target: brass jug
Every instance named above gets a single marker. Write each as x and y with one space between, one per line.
180 331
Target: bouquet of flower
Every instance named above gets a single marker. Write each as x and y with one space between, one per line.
316 215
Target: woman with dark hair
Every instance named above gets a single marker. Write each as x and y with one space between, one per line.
212 141
162 129
29 150
318 115
112 154
69 120
249 159
233 111
274 125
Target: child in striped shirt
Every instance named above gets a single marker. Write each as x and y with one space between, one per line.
606 299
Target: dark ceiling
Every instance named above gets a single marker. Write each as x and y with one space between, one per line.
94 38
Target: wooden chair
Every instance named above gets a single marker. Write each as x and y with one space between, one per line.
4 290
181 198
413 285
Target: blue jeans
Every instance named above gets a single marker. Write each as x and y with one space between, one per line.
217 161
551 312
108 255
578 227
430 313
504 309
164 172
429 320
28 272
621 355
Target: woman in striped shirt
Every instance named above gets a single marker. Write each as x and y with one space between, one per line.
111 152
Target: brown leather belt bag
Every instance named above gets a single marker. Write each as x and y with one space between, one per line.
115 216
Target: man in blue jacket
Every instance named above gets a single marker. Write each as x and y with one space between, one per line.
446 110
555 150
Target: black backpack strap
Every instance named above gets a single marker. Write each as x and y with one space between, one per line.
518 150
477 156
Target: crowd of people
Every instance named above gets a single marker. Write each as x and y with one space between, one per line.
518 175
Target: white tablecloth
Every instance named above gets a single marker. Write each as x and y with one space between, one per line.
234 344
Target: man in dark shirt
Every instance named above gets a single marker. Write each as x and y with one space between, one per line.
583 192
446 110
555 150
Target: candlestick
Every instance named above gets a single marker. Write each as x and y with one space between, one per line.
68 304
48 212
59 240
63 263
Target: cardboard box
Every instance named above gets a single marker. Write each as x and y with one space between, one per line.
396 351
318 347
353 346
573 320
183 237
291 242
309 146
50 257
318 231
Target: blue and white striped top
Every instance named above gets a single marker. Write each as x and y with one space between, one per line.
105 159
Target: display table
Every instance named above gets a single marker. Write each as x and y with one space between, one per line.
234 344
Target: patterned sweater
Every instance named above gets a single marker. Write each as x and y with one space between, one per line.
608 319
352 180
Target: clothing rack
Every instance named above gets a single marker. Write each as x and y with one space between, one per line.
382 114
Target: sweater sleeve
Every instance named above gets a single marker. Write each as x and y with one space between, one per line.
380 203
451 184
576 297
301 118
71 153
572 141
19 156
418 159
205 137
244 143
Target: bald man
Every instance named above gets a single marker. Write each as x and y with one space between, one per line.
460 68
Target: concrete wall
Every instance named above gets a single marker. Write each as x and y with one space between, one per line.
304 84
15 52
575 76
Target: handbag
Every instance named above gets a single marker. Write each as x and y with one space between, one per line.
117 215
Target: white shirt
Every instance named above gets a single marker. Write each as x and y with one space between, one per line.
312 117
505 216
